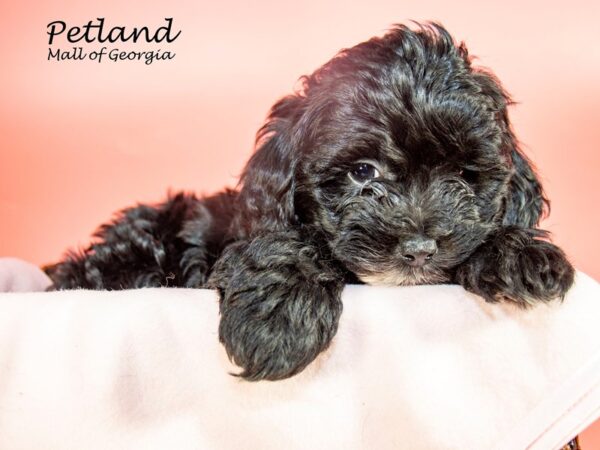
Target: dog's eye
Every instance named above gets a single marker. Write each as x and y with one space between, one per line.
469 176
363 172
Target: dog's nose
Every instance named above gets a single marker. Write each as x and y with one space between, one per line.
418 250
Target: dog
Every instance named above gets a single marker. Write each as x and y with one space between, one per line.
394 164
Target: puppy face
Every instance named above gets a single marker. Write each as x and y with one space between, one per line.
401 155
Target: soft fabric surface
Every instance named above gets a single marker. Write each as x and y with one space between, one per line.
17 275
429 367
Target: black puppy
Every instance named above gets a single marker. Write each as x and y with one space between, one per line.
395 164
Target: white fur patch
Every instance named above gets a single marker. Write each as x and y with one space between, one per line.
400 278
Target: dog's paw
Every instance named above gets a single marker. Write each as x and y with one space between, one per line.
517 265
280 306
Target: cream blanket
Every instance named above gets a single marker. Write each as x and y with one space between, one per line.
428 367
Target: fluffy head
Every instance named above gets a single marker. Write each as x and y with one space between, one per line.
398 155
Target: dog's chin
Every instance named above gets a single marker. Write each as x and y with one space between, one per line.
405 276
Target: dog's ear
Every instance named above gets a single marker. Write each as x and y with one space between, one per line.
525 202
266 198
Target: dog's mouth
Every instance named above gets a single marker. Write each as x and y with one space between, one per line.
376 265
404 276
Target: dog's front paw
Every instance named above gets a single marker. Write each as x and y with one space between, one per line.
516 264
280 305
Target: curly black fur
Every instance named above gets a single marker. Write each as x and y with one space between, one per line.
395 164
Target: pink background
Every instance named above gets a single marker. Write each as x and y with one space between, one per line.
79 140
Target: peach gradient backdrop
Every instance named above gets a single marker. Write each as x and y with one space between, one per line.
79 140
